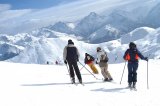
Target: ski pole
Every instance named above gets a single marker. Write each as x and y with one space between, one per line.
147 73
123 72
82 67
147 76
88 70
69 72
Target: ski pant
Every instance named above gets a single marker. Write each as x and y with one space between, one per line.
132 71
105 72
74 67
93 68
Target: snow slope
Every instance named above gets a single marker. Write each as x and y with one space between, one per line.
48 85
41 49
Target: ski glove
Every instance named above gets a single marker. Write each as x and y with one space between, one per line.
65 62
146 58
77 59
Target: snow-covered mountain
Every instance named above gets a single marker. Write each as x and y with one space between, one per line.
104 34
153 16
89 24
98 28
28 20
62 27
40 49
7 48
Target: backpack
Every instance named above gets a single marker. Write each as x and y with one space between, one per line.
92 58
104 58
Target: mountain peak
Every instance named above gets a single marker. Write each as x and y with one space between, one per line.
92 14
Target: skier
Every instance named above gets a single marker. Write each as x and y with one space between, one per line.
89 61
56 62
71 56
102 60
132 55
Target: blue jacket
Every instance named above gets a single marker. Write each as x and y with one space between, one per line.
132 55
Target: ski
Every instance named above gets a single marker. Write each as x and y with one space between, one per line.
82 84
110 81
77 84
133 89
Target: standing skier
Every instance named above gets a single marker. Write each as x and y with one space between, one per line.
102 60
89 60
132 55
71 56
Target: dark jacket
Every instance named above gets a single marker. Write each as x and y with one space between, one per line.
132 55
88 59
70 53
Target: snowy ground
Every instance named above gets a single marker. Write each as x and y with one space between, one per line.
48 85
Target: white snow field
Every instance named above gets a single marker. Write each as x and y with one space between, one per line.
49 85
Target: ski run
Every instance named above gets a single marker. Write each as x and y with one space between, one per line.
49 85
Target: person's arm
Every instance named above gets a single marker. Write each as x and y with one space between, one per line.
65 53
141 56
78 55
85 59
98 57
125 54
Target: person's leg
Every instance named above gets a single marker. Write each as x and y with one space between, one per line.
108 73
135 67
71 72
77 72
93 68
104 74
130 74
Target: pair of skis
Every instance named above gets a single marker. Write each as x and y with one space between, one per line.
77 83
132 88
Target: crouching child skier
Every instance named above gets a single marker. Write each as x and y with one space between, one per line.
89 60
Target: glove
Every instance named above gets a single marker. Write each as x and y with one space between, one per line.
146 58
65 62
77 59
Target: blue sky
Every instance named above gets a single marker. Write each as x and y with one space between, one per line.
33 4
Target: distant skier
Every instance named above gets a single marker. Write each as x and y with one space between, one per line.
132 55
89 60
71 56
102 60
56 62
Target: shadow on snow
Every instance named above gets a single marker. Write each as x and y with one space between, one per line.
45 84
111 89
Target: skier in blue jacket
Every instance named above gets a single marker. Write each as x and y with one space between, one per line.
132 55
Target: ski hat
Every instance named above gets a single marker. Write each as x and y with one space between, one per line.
98 49
86 54
132 45
70 42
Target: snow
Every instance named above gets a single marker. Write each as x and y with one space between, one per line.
40 49
138 33
48 85
71 25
